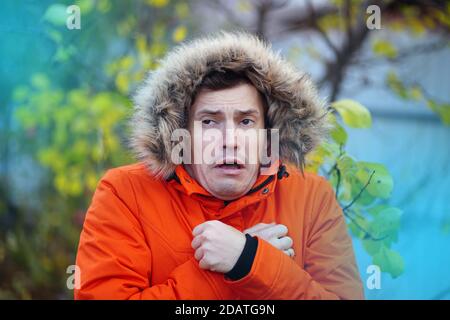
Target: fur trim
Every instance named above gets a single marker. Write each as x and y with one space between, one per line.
161 102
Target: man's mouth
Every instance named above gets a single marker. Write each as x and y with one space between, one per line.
230 167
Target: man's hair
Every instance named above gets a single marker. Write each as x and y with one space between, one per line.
226 79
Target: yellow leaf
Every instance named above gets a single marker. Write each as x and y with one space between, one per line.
61 183
179 34
141 44
417 26
158 3
122 82
75 187
415 93
91 180
384 48
126 62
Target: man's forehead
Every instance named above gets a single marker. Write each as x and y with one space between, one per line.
240 99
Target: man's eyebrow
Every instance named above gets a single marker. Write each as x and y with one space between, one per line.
216 112
207 112
248 112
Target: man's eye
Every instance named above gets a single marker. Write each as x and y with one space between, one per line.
207 121
247 122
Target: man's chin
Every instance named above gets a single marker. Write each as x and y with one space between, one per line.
229 172
228 191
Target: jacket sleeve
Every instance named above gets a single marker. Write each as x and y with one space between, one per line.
113 257
330 270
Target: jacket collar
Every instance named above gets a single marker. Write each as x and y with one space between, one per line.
217 208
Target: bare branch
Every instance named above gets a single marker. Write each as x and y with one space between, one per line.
367 234
348 17
360 192
302 21
346 212
263 8
316 26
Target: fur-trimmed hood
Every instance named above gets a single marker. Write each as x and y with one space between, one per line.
160 103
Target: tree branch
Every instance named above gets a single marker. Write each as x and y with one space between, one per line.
360 192
263 8
316 27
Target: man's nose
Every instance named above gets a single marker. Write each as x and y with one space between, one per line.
229 134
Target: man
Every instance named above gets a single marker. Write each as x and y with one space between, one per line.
228 228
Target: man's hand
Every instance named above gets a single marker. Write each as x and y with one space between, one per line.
217 245
275 234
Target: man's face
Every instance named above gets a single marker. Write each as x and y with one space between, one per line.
239 107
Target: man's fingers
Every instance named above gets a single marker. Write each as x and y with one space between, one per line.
276 231
196 242
258 227
290 252
199 253
203 264
198 229
284 243
280 231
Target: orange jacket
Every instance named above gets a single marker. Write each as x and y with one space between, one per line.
136 240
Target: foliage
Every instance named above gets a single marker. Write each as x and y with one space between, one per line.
341 25
362 188
71 122
414 92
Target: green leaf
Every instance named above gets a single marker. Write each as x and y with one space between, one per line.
389 261
86 6
345 189
375 210
347 168
443 110
381 184
372 246
328 150
20 93
40 81
365 197
56 14
386 224
351 189
396 85
337 133
354 114
346 165
357 226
